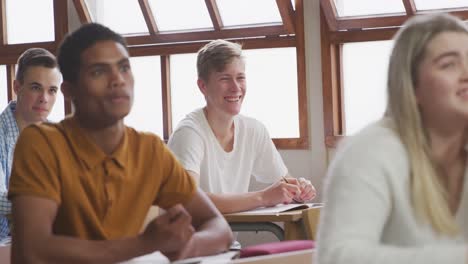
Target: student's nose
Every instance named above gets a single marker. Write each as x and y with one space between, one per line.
117 78
43 97
236 85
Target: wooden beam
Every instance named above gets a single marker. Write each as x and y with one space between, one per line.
273 30
286 10
301 78
328 9
331 84
83 11
3 20
193 47
361 35
166 96
10 77
410 7
213 10
60 20
148 15
371 22
9 54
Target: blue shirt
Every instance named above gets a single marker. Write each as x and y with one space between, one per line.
9 133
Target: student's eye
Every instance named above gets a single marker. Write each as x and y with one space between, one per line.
448 64
97 72
35 87
125 68
53 91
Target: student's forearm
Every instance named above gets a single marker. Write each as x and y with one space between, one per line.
212 237
61 249
231 203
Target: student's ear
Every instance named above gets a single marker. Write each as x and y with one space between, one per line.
16 87
66 88
202 86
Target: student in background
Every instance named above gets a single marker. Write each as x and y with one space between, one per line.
222 149
396 192
36 84
81 192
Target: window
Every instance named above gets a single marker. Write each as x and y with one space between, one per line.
272 90
365 67
185 94
41 21
146 113
123 16
58 111
356 45
170 17
245 12
268 30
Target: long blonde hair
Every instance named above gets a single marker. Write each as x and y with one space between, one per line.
429 197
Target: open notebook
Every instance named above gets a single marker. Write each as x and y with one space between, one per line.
158 258
281 208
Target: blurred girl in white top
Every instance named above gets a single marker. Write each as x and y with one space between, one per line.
396 192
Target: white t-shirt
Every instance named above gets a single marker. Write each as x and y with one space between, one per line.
195 145
368 216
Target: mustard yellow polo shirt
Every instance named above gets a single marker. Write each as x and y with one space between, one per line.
99 196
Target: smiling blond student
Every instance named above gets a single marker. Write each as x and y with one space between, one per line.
222 149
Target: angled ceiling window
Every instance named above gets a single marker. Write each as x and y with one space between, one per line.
438 4
347 8
39 26
248 12
123 16
178 15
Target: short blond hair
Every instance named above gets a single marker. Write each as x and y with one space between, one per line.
215 55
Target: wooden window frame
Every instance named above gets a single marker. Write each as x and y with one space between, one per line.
336 31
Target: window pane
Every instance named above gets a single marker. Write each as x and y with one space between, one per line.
185 94
368 7
245 12
180 14
146 113
58 111
365 95
3 88
272 90
123 16
438 4
30 21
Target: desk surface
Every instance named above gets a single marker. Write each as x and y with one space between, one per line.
296 257
291 216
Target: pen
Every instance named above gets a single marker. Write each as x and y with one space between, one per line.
285 180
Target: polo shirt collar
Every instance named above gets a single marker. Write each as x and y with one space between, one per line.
88 151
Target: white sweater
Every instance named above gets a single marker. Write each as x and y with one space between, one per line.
368 217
